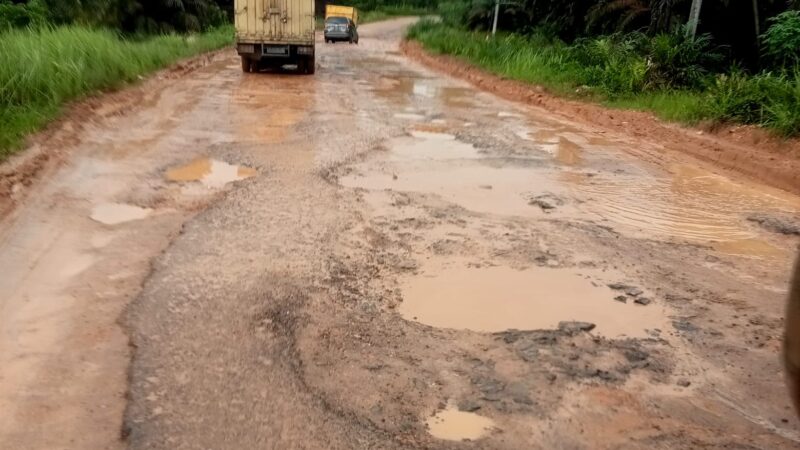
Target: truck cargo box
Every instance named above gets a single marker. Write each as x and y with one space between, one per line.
275 32
347 12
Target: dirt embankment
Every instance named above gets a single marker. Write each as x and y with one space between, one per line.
746 150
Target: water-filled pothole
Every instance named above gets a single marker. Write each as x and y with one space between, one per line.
685 203
495 299
116 213
454 425
210 172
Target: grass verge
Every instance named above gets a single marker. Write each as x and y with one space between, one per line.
41 70
614 74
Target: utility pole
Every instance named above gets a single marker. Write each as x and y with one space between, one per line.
694 18
496 13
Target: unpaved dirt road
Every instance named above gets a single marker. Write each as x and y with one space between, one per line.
382 257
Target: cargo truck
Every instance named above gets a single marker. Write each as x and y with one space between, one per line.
275 33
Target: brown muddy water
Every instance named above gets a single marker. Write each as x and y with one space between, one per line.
493 299
583 181
117 213
211 173
454 425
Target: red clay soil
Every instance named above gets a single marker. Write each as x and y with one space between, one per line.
745 150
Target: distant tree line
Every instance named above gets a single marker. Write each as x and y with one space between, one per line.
131 16
735 27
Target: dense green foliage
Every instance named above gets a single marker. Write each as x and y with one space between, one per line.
732 26
782 40
742 66
19 15
390 5
147 16
42 69
667 73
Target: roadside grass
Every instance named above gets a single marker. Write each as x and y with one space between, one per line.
611 72
43 69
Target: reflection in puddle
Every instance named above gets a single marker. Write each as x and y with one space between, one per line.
116 213
404 88
211 172
500 298
454 425
456 97
569 153
426 145
409 116
431 135
462 184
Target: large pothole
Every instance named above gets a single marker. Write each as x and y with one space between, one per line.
493 299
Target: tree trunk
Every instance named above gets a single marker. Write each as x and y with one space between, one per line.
694 18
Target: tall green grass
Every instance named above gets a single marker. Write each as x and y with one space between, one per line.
41 70
631 72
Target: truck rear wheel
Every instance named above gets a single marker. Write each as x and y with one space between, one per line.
247 65
311 65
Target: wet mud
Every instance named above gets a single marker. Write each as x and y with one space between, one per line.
116 213
210 172
454 425
493 299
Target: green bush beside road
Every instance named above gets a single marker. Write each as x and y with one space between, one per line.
676 77
42 69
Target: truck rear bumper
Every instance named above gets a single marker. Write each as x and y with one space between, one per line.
257 51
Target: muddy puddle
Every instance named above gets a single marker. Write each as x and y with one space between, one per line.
211 173
582 181
117 213
454 425
410 116
438 163
402 89
492 299
691 204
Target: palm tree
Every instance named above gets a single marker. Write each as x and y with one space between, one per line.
624 15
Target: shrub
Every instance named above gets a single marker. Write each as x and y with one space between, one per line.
21 15
454 13
678 60
612 63
631 71
781 41
767 98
